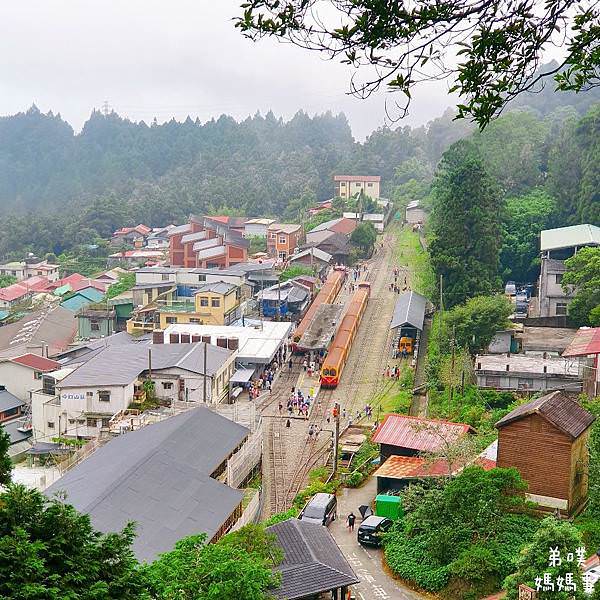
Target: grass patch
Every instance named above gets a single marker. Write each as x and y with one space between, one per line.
410 254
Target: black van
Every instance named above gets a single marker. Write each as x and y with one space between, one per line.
321 508
370 530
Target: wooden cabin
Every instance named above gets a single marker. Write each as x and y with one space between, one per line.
546 440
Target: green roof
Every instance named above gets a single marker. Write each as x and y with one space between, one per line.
569 237
62 290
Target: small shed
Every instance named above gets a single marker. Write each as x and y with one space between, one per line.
409 314
403 435
414 213
547 441
313 564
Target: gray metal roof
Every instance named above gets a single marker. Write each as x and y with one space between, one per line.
179 229
210 243
325 226
409 310
122 364
8 401
218 287
159 476
211 252
569 237
13 429
316 253
413 204
194 237
313 562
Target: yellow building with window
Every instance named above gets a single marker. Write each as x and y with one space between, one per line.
213 304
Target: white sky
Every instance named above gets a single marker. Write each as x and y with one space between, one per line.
165 58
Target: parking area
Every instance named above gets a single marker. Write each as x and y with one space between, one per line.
366 562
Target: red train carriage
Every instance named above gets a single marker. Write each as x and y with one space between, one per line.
340 347
327 295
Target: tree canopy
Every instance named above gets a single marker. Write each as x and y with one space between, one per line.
5 462
48 550
364 237
583 272
465 226
499 44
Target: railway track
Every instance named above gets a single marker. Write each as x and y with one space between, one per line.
292 453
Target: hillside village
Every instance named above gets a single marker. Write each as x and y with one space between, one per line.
204 326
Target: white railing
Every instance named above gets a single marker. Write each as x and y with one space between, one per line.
250 512
241 464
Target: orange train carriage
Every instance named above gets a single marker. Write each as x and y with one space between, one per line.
339 350
327 295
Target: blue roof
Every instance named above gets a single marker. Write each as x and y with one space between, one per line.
3 314
82 298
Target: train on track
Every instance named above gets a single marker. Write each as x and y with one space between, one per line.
334 363
327 295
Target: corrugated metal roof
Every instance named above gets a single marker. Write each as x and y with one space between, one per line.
122 364
316 253
312 563
34 361
8 401
212 252
557 408
194 237
586 341
204 244
218 287
568 237
425 435
409 310
159 477
357 178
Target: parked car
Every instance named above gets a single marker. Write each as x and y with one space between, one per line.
371 529
321 508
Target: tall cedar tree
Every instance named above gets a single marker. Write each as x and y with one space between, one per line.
466 226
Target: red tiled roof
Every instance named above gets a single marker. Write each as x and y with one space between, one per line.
39 363
71 279
357 178
86 283
586 341
13 292
220 219
425 435
141 229
408 467
38 283
344 226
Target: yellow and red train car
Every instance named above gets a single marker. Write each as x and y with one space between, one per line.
327 295
334 363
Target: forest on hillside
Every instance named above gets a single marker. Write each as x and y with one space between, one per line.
59 190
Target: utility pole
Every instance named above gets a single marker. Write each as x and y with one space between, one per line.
204 375
452 368
279 301
336 435
441 294
150 364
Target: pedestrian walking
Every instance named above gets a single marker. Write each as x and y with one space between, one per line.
343 413
290 364
351 519
280 407
288 423
305 365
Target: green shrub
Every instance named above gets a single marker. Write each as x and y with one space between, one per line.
354 479
282 516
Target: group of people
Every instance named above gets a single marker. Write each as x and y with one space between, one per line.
298 402
393 372
263 383
395 286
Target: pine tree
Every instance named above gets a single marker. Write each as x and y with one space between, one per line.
466 226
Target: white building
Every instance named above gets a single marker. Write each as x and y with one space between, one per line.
257 227
22 375
30 268
556 245
258 343
80 402
414 213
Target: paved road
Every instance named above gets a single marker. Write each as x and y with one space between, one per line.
375 583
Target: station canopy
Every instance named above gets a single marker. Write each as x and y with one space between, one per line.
409 311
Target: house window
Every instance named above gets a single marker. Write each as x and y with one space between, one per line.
105 422
343 184
171 320
215 302
164 277
80 421
50 424
561 308
104 395
89 394
203 301
369 185
282 239
492 382
167 385
91 422
94 325
525 384
201 278
282 255
196 321
272 236
37 374
558 278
